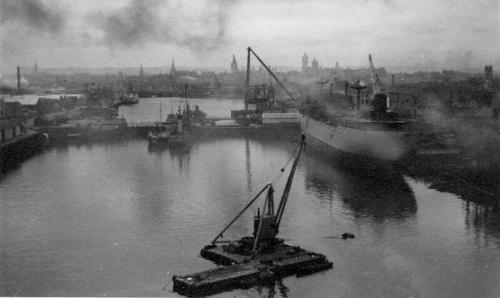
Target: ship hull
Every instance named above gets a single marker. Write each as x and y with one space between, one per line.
379 144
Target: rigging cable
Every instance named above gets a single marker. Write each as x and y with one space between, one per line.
277 177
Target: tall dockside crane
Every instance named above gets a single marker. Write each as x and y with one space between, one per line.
376 86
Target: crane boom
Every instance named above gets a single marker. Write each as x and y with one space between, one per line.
286 192
268 70
374 79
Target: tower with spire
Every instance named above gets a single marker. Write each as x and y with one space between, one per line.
305 62
141 71
172 68
234 65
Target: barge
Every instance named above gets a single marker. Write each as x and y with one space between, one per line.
256 259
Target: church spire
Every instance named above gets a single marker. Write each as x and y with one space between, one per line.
234 65
172 68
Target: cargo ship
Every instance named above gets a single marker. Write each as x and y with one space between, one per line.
369 129
379 139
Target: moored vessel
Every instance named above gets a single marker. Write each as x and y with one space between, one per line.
369 129
382 140
129 99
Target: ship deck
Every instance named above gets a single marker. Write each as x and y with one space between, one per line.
280 253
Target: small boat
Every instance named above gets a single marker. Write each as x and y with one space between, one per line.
177 126
129 99
157 137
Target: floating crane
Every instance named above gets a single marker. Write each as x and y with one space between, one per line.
262 257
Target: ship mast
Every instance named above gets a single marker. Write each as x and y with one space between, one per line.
161 114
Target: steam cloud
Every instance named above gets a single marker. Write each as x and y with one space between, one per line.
161 21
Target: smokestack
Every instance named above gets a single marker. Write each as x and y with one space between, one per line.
18 79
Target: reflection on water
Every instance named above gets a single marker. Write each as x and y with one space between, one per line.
483 221
275 288
178 151
458 175
120 218
377 197
381 195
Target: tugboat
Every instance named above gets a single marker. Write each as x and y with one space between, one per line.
129 99
259 258
171 131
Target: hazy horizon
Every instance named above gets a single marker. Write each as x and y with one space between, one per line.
205 34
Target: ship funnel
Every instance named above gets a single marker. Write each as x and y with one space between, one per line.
179 125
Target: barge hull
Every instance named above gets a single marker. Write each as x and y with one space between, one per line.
243 271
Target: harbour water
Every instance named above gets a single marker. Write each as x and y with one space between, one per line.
119 219
151 109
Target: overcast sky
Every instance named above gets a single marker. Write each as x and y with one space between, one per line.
95 33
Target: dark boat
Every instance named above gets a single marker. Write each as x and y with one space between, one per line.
170 132
177 127
129 99
259 258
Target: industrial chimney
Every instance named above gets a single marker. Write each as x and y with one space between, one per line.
18 79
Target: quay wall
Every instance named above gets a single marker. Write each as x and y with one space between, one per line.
19 149
282 130
61 134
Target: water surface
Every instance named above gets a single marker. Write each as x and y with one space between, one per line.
119 219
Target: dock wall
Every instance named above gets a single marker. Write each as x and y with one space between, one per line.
19 149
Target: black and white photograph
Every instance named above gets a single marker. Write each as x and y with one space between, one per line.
250 148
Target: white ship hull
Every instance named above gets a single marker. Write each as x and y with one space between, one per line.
379 143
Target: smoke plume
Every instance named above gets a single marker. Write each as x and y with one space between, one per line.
33 13
166 22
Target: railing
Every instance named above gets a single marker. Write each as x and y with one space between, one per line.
145 123
159 123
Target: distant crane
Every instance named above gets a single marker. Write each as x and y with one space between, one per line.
358 87
374 79
247 81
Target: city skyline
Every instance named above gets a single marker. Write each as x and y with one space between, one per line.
204 35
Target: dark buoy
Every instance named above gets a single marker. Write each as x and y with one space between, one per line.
348 236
